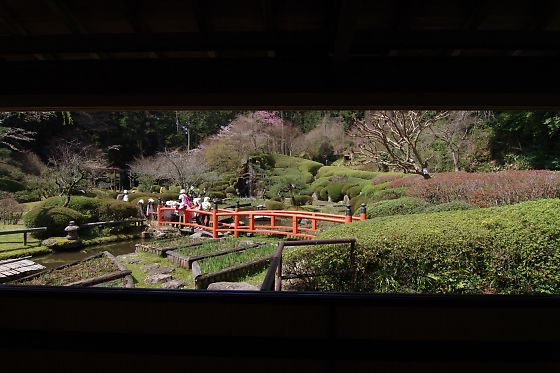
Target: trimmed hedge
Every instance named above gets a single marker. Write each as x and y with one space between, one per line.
117 210
95 209
54 218
449 206
9 185
501 250
300 200
400 206
274 205
326 171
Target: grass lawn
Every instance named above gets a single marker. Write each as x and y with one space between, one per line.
255 279
217 263
15 241
11 245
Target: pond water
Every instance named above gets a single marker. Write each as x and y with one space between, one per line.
60 258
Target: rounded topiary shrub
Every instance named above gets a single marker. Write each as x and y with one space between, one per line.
87 206
501 250
399 206
300 200
354 191
117 210
217 194
274 205
54 218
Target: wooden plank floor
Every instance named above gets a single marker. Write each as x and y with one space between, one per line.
11 269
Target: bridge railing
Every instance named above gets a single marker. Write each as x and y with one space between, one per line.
301 224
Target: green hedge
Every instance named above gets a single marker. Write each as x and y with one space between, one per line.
334 191
87 206
354 191
300 199
117 210
400 206
274 205
326 171
24 196
9 185
54 218
449 206
95 209
310 166
502 250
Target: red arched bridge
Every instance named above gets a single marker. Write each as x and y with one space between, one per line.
302 224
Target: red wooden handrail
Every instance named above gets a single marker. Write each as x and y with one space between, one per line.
294 229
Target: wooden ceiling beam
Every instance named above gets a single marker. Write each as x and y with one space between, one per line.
396 82
348 15
71 21
10 19
296 44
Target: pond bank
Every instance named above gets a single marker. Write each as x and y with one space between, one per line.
116 245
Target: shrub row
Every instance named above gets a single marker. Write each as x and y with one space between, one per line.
410 205
507 250
327 171
490 188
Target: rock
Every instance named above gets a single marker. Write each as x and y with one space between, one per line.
62 244
150 267
232 286
202 234
133 260
173 284
164 232
161 270
158 277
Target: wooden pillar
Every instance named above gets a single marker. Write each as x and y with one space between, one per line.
294 224
236 221
24 238
273 221
215 220
348 215
158 216
251 222
313 222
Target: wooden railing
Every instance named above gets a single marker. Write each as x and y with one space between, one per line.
24 231
271 221
273 278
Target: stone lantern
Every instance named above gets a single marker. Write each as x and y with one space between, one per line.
72 231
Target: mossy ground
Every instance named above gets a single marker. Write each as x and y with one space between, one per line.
140 274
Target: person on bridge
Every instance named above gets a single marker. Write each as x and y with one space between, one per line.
206 206
184 205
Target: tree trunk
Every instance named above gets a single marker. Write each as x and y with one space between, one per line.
455 160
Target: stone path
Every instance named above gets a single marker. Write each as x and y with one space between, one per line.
155 274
